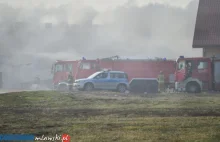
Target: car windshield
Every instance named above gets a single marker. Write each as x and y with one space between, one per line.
93 75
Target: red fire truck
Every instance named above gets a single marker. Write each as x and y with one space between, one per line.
134 69
194 75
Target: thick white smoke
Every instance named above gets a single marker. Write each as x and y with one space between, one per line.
42 33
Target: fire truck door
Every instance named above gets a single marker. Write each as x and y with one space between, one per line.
217 75
202 73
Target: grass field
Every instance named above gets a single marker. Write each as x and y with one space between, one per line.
109 116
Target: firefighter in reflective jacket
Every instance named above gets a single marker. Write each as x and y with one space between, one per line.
161 82
70 81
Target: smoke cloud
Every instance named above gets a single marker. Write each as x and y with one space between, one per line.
42 34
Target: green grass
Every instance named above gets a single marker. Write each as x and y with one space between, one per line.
109 116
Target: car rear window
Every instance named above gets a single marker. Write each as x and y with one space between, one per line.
118 75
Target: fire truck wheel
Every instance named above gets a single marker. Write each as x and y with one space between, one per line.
62 88
121 88
88 87
193 87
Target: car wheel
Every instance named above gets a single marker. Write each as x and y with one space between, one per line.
89 87
122 88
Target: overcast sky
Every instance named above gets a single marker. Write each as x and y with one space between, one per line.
98 28
100 5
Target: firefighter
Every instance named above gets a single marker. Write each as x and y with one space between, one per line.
70 81
161 82
188 70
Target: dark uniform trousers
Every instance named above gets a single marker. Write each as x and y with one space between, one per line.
70 83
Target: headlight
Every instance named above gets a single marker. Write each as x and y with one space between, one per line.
77 81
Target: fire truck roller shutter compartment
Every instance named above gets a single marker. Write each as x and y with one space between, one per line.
142 85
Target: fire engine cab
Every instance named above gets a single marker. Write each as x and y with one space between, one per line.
194 75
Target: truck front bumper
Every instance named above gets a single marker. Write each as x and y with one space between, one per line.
180 87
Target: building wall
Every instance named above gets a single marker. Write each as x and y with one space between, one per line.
210 51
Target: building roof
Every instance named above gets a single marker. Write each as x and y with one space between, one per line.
207 29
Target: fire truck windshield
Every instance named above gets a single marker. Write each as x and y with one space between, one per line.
181 65
63 67
58 67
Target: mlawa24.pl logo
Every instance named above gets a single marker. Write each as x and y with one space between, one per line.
19 137
62 138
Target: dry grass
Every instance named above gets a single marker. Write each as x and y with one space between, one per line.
109 116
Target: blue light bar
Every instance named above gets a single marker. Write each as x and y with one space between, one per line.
17 137
84 58
181 56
